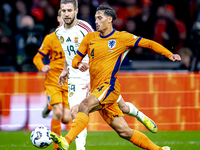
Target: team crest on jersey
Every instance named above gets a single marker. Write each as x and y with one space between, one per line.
76 39
111 43
71 94
61 39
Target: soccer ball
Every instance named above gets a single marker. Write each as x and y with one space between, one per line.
40 137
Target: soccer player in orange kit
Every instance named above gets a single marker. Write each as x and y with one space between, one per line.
57 96
106 49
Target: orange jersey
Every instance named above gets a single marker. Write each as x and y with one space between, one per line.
106 54
52 46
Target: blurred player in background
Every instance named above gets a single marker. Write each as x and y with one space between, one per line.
70 35
57 96
106 49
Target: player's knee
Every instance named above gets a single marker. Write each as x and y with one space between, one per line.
73 114
74 111
125 134
58 115
66 119
125 109
124 106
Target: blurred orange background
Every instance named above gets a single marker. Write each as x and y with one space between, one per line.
170 99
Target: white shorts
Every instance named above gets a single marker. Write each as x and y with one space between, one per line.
76 94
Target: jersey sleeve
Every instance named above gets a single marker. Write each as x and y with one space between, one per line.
42 51
130 40
57 34
45 47
81 52
155 46
87 28
37 60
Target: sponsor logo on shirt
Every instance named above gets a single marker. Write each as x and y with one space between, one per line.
68 39
110 50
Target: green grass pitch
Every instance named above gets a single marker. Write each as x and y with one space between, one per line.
178 140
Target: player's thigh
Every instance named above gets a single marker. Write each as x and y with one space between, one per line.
65 99
57 106
66 115
108 102
66 108
122 105
105 94
89 104
110 112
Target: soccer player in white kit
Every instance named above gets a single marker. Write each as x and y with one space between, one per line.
70 35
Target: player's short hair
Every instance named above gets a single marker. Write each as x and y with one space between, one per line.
59 12
108 11
74 2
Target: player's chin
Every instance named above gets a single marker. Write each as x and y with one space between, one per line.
98 29
68 22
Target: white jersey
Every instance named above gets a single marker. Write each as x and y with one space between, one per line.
70 40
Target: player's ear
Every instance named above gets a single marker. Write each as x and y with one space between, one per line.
76 11
109 19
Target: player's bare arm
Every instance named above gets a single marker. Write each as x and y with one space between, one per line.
87 86
62 78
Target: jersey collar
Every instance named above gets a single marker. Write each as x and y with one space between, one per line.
108 34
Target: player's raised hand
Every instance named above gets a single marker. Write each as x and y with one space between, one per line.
175 57
83 66
62 78
87 86
46 68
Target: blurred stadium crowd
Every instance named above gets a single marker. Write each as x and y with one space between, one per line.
173 23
